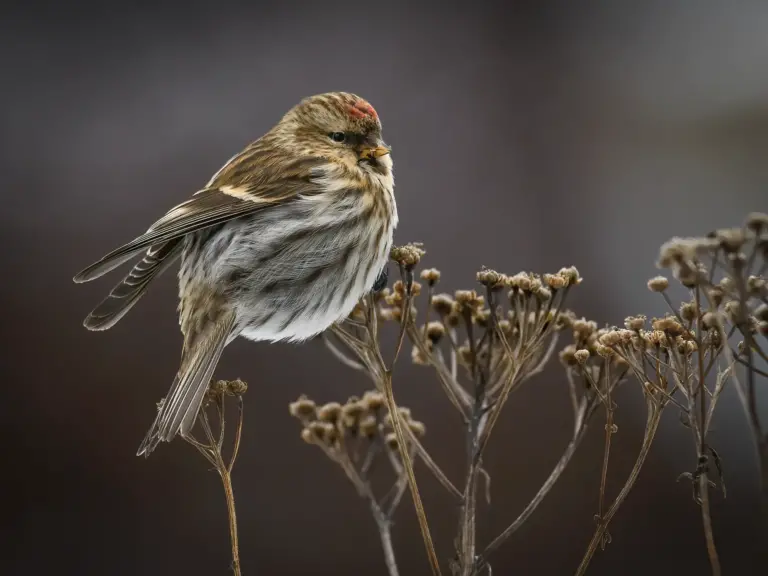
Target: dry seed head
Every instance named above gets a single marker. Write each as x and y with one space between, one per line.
442 304
555 281
351 411
568 355
431 276
435 331
761 313
418 428
391 441
656 338
368 426
610 338
237 387
756 285
220 387
581 356
604 351
668 324
395 298
468 298
688 311
329 412
716 294
408 255
635 322
520 281
303 408
481 317
571 275
658 284
583 327
324 432
373 400
453 319
308 436
491 279
757 222
676 251
730 239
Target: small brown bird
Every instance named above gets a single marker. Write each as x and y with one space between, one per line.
281 243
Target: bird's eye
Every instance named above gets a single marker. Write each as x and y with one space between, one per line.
338 136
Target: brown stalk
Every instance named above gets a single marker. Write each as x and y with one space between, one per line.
213 453
654 407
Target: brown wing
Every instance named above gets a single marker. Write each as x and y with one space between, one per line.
251 181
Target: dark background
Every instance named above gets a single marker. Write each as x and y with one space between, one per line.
526 136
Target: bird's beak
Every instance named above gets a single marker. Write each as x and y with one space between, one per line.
373 153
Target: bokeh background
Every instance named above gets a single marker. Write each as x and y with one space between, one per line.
526 135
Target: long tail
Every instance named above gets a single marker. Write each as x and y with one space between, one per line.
133 286
179 409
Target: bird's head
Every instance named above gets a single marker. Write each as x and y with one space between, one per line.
341 127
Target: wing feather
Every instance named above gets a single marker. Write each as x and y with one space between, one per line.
248 183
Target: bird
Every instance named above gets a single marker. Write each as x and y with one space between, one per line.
281 243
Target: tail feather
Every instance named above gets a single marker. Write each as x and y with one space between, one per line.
178 412
133 286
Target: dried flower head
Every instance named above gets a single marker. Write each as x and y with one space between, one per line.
491 279
431 276
329 412
757 222
571 275
635 322
555 281
408 255
688 311
730 239
658 284
581 356
303 408
435 331
418 428
668 324
521 281
391 441
442 304
604 351
373 401
568 355
716 294
583 328
368 426
761 313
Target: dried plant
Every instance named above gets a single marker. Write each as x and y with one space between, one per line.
357 436
216 400
484 343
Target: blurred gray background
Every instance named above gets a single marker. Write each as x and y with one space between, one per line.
526 135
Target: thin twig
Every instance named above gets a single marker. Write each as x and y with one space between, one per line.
652 424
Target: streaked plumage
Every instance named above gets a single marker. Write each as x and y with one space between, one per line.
281 243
